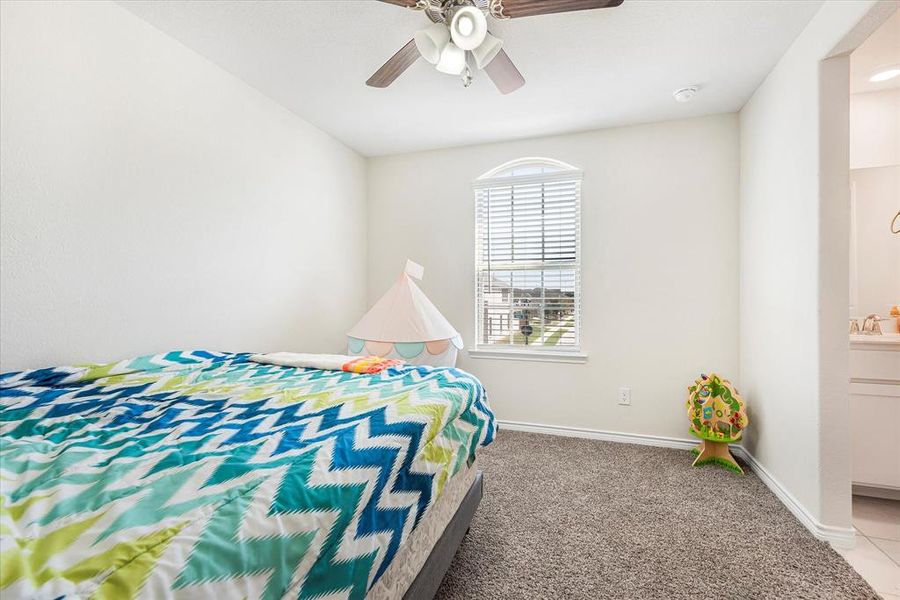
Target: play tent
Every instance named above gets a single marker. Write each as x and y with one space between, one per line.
404 324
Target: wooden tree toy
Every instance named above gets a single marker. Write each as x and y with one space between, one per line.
718 418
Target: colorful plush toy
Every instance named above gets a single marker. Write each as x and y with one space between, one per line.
718 418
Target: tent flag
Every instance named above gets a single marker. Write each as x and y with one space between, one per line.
414 270
405 324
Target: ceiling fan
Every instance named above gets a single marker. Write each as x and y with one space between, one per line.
458 38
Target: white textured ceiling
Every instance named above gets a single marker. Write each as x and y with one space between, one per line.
584 70
881 49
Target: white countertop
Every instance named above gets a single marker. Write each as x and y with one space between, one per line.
886 340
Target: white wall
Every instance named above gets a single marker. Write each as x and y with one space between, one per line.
793 281
875 129
659 249
877 191
875 177
152 201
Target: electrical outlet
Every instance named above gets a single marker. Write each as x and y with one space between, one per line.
625 396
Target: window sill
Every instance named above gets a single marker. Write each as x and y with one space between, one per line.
553 356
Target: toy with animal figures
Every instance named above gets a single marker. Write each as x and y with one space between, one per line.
718 418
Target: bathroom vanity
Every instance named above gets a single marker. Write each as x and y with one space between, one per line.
875 408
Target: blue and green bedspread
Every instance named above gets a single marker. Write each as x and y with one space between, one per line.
202 474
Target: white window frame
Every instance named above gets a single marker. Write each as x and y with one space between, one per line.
497 177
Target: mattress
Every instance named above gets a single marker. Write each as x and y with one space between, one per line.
200 474
411 556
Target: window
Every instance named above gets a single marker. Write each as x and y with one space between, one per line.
528 246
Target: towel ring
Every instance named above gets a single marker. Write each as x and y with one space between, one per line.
895 223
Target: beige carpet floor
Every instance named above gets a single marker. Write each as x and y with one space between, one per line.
583 519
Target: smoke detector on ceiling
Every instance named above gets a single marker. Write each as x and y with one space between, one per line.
685 94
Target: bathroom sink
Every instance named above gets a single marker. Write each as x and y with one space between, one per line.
883 339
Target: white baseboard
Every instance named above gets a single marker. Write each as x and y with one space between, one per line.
596 434
874 491
837 536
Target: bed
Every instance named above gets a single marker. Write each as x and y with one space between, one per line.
203 474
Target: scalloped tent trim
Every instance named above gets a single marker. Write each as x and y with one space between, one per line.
405 350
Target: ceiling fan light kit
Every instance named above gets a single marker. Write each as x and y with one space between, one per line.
453 60
487 51
468 27
460 28
431 41
446 46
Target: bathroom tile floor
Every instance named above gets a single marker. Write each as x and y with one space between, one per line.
876 556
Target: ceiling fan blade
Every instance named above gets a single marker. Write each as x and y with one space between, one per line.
513 9
403 3
504 73
395 66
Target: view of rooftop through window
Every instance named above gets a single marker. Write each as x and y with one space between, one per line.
527 221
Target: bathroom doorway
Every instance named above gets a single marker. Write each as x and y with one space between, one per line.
874 310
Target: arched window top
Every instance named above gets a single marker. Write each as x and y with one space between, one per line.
528 167
528 257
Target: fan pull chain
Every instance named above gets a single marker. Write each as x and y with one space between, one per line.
467 76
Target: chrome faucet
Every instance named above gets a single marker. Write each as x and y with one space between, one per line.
871 325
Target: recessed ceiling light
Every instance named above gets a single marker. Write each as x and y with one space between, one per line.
885 73
685 93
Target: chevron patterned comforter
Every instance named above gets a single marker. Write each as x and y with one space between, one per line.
204 475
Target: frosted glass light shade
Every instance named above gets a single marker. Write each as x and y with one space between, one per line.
468 27
487 51
430 42
453 60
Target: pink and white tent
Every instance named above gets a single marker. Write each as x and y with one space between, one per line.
404 324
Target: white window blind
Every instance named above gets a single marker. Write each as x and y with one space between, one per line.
528 245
